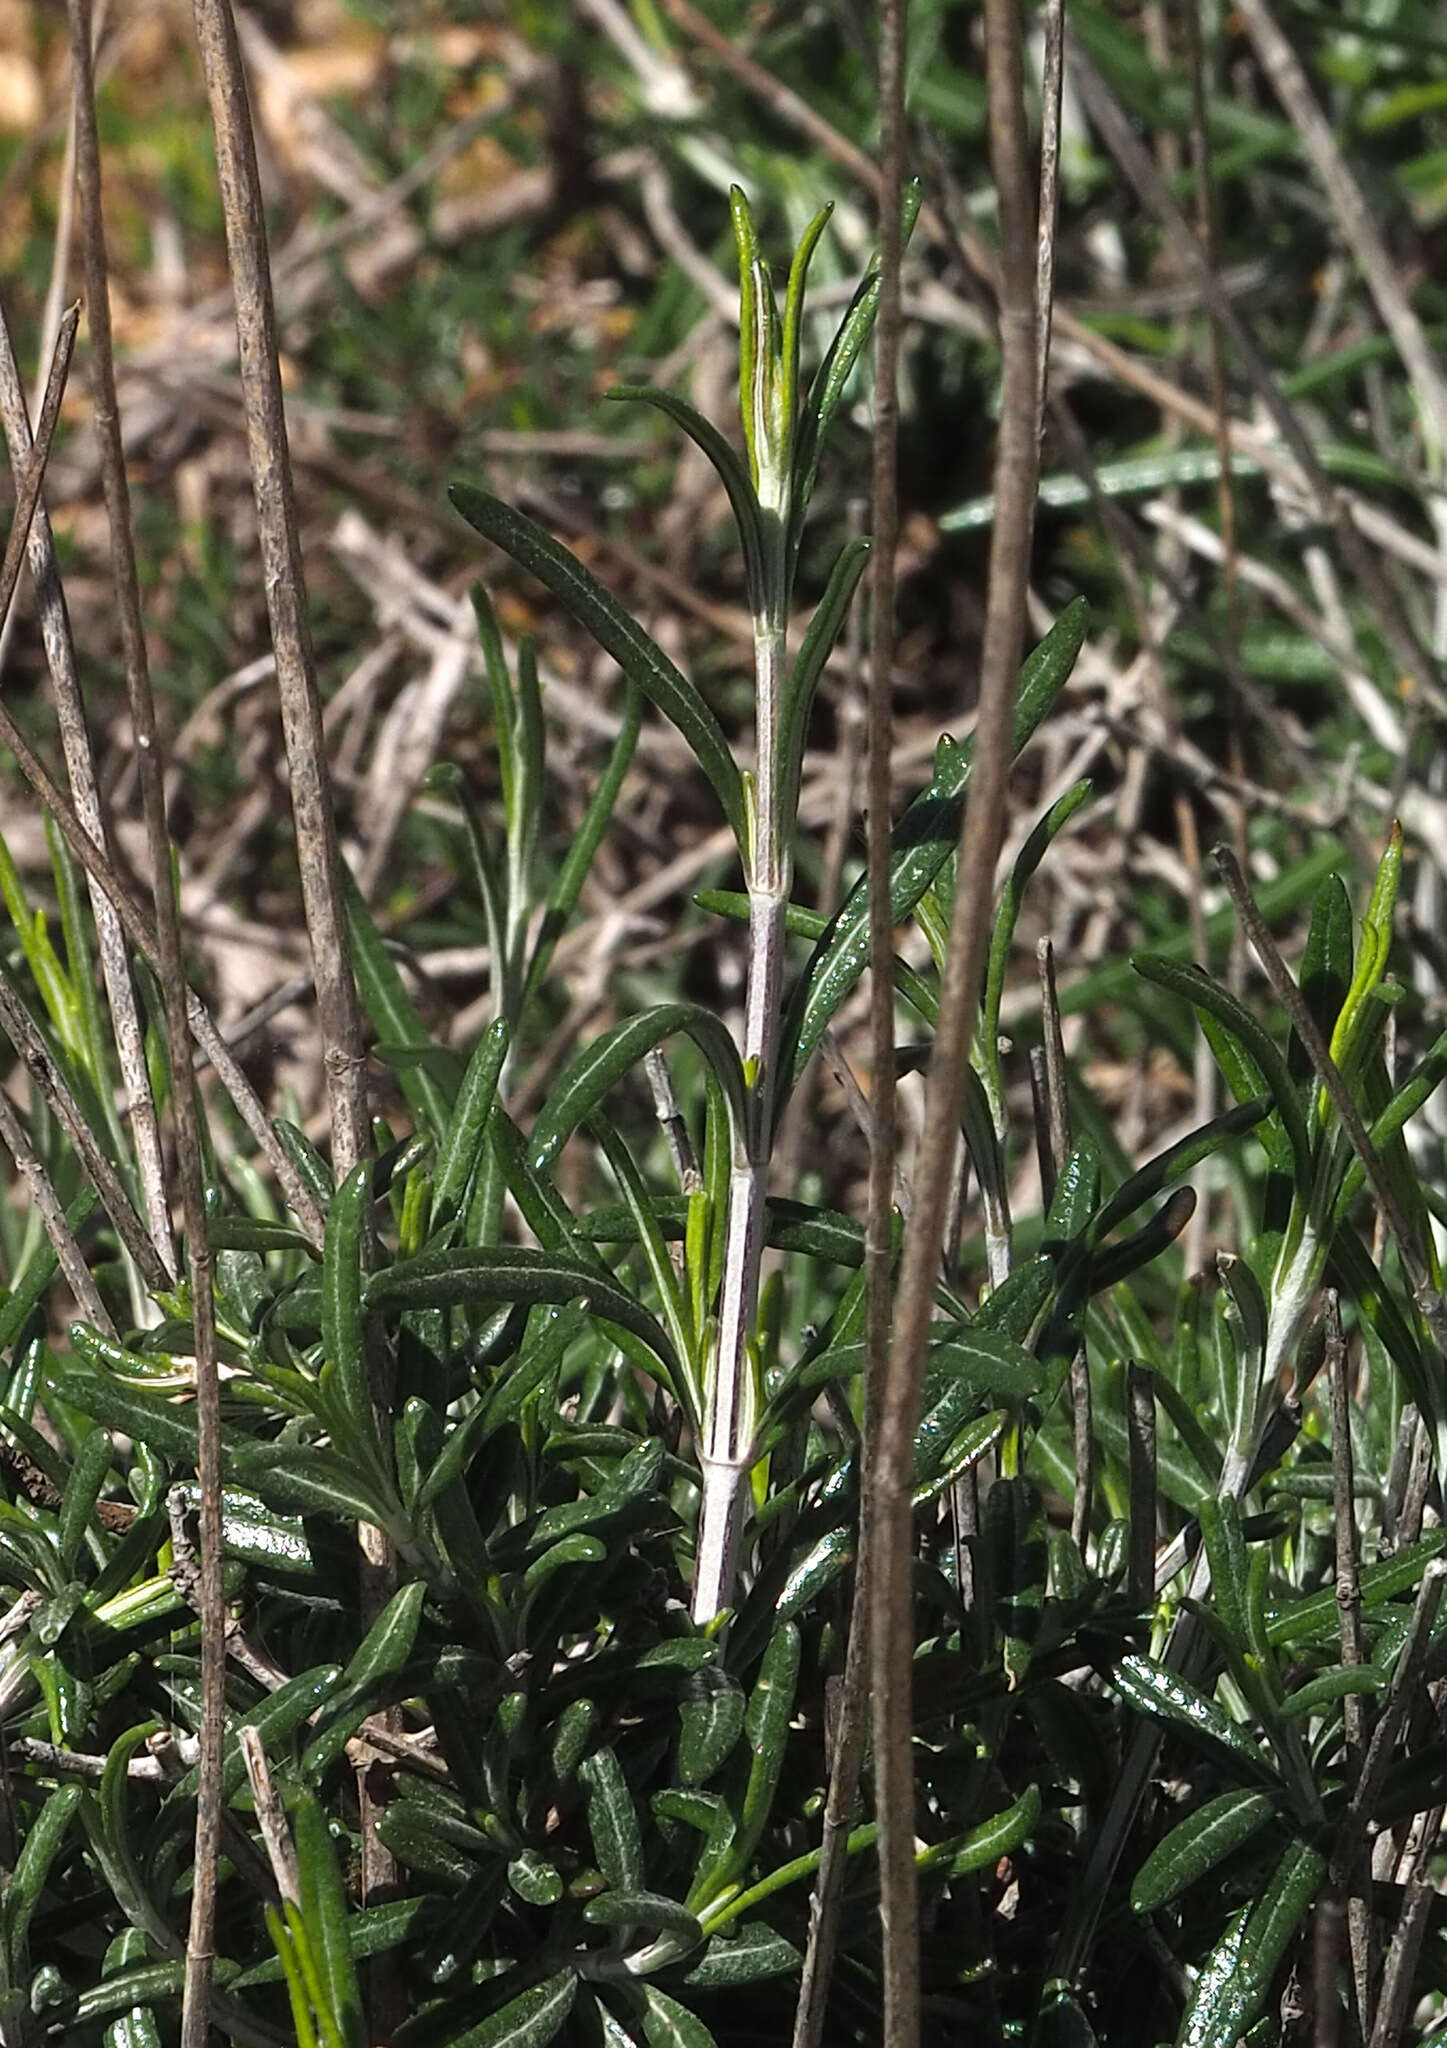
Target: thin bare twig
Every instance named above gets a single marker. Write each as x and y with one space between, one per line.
316 834
318 857
879 1233
38 1183
1052 83
24 1034
28 487
891 1601
201 1929
80 767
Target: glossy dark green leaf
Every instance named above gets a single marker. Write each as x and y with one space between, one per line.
45 1836
1166 1697
613 1821
314 1482
535 1880
530 2020
766 1725
1328 1687
481 1276
152 1418
324 1912
616 632
644 1910
711 1714
342 1338
1002 1835
1197 1844
667 2024
749 1956
1172 1166
1315 1615
87 1476
1233 1986
1326 967
380 1655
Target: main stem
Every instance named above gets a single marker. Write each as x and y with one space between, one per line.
729 1416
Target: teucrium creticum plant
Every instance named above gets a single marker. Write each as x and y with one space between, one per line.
783 430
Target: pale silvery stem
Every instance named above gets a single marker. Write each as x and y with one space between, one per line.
729 1410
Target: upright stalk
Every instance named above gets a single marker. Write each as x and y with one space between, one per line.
729 1418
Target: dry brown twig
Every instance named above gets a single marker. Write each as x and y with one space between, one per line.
891 1602
201 1929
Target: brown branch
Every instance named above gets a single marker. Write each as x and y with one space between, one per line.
879 1234
27 491
891 1597
201 1928
317 854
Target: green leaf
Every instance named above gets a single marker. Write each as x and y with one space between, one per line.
1172 1166
1301 1621
831 380
585 842
395 1017
459 1149
478 1276
1166 1697
1330 1686
766 1724
676 1315
1001 1835
731 473
754 1953
667 2024
342 1339
381 1654
601 1064
530 2020
1036 846
712 1717
324 1913
317 1482
1233 1986
1211 1001
44 1838
808 666
618 634
613 1821
1197 1844
629 1909
167 1429
82 1490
